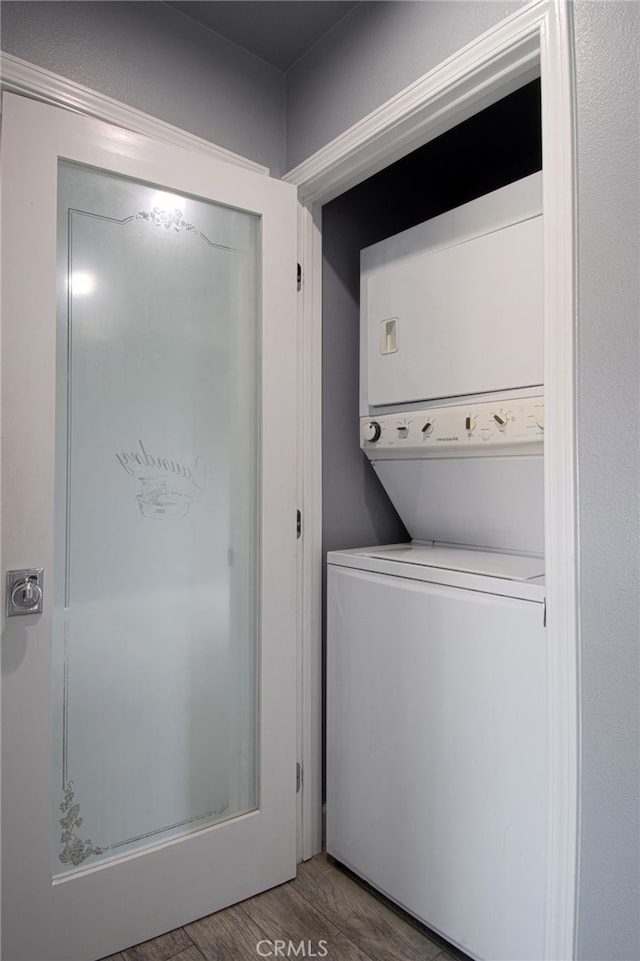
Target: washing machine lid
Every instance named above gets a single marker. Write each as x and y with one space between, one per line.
512 567
506 575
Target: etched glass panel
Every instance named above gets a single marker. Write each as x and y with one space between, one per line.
157 512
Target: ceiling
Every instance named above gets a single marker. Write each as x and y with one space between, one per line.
278 31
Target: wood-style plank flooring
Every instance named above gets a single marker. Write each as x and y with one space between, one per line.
335 916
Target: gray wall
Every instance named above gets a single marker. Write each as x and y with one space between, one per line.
380 48
607 64
356 509
377 50
149 56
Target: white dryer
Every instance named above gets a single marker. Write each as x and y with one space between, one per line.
454 306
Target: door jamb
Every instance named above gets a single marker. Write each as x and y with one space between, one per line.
535 41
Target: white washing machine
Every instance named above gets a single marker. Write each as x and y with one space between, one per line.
437 738
437 719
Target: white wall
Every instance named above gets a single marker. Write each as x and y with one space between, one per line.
149 56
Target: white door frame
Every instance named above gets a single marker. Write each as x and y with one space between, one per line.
535 41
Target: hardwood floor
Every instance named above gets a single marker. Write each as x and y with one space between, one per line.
335 916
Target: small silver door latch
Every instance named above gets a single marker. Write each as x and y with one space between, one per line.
25 591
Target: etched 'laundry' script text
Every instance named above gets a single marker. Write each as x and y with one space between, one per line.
199 472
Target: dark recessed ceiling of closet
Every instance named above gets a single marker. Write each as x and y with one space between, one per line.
500 144
278 32
496 146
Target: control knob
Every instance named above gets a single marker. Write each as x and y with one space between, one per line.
501 419
372 431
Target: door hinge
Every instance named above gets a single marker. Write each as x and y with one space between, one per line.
298 776
298 523
299 276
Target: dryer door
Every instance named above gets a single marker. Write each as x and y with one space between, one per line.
464 320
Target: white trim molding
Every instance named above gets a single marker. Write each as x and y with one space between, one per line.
534 41
30 80
561 523
310 497
476 76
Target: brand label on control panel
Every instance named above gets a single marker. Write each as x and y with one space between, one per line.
507 426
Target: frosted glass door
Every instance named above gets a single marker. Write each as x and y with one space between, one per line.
149 467
156 646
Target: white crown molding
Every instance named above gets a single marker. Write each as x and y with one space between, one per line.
30 80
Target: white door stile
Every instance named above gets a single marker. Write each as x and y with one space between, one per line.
107 907
535 41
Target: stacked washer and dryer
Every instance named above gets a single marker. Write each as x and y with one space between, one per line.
437 721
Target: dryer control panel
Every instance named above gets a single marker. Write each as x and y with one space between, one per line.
474 429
